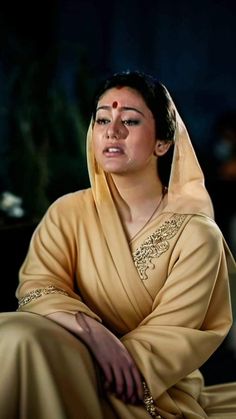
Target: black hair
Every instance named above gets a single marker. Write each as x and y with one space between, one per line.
153 92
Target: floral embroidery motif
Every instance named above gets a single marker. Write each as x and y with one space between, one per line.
156 244
39 292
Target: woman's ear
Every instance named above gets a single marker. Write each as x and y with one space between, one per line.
161 147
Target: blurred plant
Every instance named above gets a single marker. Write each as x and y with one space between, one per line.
47 141
67 146
46 130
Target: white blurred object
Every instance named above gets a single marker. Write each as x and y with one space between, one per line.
11 205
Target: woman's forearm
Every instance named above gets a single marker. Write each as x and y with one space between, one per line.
121 375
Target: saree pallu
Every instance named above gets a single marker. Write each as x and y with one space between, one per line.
165 293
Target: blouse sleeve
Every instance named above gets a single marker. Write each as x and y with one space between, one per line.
47 276
191 314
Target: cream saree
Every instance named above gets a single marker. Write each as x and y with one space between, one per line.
165 294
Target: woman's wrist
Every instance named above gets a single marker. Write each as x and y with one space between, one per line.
68 321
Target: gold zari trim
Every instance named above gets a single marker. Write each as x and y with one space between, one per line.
149 403
39 292
156 244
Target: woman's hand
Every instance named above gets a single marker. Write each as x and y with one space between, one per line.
120 372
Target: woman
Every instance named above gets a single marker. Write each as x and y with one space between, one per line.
124 292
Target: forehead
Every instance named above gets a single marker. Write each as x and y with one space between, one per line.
121 96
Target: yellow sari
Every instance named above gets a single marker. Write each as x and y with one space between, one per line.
165 293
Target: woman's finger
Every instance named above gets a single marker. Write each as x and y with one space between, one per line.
119 382
130 386
106 372
138 382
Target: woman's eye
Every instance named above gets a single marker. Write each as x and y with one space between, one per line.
102 121
130 122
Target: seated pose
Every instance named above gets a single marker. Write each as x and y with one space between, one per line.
124 291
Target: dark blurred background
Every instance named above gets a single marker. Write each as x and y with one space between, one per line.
53 54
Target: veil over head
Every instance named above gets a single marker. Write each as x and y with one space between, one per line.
187 193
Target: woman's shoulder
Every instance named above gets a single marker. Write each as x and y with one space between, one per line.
71 205
72 200
199 220
203 229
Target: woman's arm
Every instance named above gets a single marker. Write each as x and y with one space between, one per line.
47 276
47 288
191 314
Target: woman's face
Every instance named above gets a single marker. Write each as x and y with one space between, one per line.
123 132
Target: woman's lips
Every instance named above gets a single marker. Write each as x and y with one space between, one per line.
113 151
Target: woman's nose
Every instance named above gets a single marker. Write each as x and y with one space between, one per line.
116 130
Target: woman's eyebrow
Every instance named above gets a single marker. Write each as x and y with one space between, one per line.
122 108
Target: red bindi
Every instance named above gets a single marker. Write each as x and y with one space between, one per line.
115 104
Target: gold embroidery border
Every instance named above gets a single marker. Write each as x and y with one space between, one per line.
149 403
156 244
39 292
